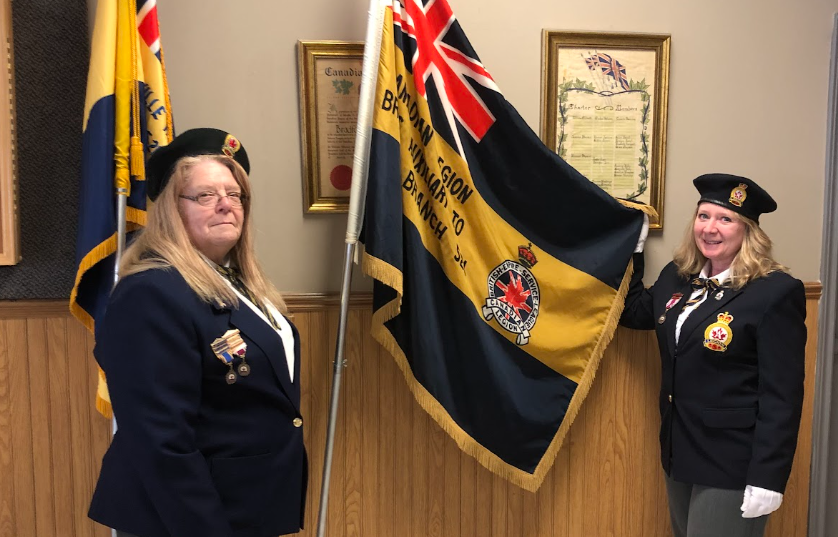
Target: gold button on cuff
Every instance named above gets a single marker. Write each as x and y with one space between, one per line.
670 400
298 422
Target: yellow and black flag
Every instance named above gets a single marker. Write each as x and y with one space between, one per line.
127 115
500 270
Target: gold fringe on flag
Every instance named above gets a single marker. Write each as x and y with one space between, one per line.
642 207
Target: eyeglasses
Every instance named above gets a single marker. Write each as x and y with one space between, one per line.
211 199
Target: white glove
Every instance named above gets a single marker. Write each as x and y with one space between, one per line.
759 502
644 232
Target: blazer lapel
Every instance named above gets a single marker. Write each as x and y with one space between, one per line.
295 384
699 317
263 335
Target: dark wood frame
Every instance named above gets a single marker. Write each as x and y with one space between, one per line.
9 227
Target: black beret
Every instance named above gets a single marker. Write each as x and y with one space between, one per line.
739 194
190 143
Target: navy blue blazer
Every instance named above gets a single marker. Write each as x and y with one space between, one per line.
194 456
729 416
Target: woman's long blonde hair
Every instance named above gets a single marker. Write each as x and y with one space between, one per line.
754 259
164 242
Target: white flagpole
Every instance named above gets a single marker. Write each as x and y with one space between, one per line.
121 209
121 206
360 168
363 133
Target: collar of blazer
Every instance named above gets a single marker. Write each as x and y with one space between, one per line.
265 337
699 316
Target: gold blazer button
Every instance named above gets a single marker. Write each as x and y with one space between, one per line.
298 422
670 400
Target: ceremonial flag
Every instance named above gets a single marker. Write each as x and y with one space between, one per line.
126 115
500 270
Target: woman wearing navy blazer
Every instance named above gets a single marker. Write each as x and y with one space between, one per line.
730 324
202 364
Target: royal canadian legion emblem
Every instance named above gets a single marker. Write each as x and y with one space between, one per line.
231 146
513 295
717 336
738 195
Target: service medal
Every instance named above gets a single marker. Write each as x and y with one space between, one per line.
239 347
674 299
227 348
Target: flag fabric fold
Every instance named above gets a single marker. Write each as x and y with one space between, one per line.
500 270
127 114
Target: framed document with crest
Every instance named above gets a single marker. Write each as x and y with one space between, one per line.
9 233
330 83
604 109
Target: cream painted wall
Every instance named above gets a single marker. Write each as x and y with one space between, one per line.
748 95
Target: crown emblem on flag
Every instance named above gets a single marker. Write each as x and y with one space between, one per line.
231 146
738 195
526 256
717 336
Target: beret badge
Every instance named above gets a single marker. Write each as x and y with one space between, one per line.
738 195
231 146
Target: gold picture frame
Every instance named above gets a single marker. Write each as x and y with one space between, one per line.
604 108
9 226
330 81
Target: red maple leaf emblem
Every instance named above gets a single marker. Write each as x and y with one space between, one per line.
514 294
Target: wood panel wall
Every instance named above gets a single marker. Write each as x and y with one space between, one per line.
395 473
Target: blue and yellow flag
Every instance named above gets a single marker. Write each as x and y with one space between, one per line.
126 115
500 270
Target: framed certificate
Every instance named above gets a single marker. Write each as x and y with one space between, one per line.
604 109
330 83
9 233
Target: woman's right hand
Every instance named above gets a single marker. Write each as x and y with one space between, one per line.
644 232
